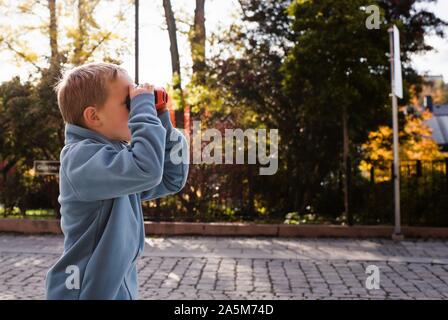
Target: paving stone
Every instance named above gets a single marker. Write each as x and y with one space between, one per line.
250 268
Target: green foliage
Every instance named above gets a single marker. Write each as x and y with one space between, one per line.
30 129
298 66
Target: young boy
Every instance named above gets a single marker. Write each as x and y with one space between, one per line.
103 180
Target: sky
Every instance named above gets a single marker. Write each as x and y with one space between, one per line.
155 61
435 62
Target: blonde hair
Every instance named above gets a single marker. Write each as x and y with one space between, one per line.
84 86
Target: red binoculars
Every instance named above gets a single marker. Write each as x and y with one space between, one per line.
160 97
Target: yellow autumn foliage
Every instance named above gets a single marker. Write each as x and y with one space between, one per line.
416 143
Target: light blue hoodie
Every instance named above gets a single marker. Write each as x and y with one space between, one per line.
102 184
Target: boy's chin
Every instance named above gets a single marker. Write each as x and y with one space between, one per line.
127 139
123 137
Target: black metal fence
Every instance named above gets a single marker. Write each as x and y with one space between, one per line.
423 184
424 193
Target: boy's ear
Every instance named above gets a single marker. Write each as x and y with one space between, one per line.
90 116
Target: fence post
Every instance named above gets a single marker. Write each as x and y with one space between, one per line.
446 174
419 168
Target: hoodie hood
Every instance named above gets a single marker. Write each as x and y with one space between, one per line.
75 133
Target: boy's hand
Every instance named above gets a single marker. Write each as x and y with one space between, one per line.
135 90
167 106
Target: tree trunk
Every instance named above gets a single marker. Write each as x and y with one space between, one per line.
346 167
53 33
175 60
197 41
251 194
172 32
2 194
82 33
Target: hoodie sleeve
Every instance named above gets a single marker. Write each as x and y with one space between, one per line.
99 171
175 166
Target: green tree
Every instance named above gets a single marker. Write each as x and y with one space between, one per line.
339 74
74 42
24 137
32 126
314 71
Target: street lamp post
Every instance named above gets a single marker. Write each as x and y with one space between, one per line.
136 39
397 90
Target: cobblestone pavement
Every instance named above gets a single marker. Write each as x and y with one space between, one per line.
250 268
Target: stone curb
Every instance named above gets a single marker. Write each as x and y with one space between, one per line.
52 226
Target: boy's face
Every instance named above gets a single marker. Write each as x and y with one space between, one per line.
113 116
